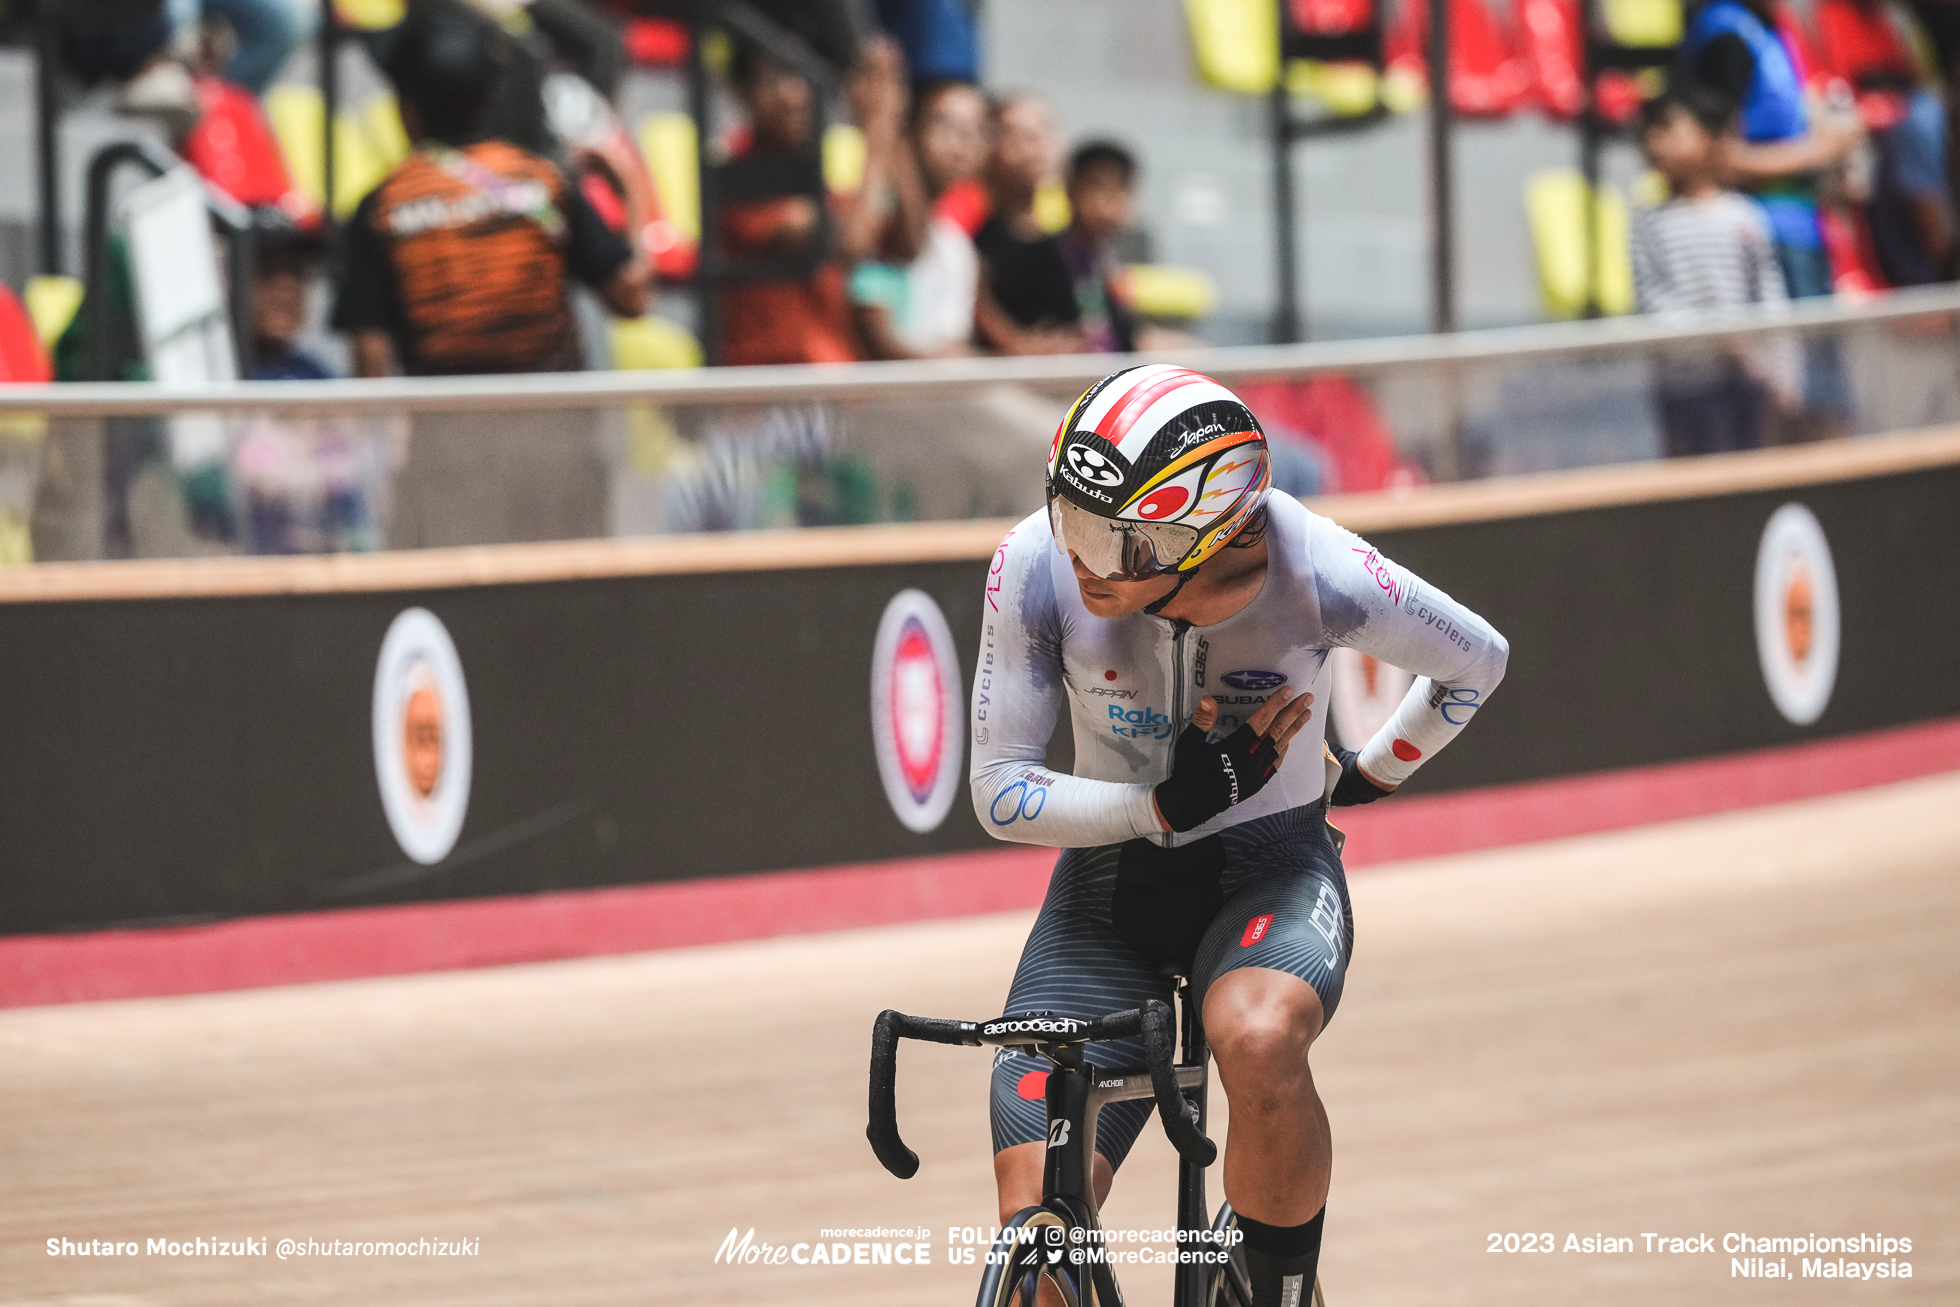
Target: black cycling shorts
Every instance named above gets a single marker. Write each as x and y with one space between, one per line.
1267 893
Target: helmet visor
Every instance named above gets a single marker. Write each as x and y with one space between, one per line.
1119 551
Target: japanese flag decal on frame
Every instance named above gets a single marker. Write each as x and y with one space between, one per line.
918 718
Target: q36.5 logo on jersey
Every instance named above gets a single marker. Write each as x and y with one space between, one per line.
1093 467
917 726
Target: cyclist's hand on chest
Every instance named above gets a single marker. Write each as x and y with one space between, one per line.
1209 776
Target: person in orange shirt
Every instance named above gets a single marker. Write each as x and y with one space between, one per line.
808 319
461 260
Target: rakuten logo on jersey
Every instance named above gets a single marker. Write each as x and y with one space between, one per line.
1139 723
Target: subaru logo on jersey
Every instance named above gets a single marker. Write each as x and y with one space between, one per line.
918 730
1093 467
421 722
1250 680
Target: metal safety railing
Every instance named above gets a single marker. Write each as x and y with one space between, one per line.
145 470
1383 357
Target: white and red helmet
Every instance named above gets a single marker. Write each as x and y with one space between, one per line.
1153 470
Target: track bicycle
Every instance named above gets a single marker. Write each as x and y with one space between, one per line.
1059 1241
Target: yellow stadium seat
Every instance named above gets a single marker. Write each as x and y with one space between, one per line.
359 160
370 15
1649 23
669 145
843 157
1160 291
383 121
645 344
1347 89
1051 211
1236 43
295 112
1556 204
16 543
51 303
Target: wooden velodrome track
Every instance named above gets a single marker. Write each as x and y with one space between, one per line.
1743 1023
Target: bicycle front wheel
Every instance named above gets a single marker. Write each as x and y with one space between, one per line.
1024 1257
1231 1284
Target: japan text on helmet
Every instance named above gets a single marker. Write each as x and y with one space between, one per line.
1153 470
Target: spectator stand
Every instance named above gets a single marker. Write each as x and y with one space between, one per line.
1622 40
1284 50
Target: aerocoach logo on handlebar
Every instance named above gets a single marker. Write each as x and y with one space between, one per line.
1035 1026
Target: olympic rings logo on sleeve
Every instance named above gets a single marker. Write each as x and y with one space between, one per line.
1462 700
1020 801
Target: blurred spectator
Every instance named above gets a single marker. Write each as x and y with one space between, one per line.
1735 47
460 261
1101 178
1705 248
924 309
1027 299
1911 202
808 319
262 35
284 267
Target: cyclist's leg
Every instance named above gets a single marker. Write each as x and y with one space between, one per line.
1269 973
1074 964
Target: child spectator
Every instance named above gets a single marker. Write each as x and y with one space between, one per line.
1027 302
1705 248
808 320
925 309
279 311
1101 176
460 261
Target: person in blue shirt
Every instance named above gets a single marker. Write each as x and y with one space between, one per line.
1787 141
1734 47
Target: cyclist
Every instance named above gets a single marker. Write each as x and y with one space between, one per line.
1184 612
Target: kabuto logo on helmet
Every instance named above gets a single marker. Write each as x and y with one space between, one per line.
1091 466
1185 458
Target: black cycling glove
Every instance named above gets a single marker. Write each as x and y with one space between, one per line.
1353 787
1208 777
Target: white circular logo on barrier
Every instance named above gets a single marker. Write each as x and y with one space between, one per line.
422 735
918 723
1367 691
1797 614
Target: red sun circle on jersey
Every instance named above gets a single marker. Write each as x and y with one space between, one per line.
1032 1085
1110 675
1163 502
1404 750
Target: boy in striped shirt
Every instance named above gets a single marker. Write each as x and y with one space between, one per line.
1707 247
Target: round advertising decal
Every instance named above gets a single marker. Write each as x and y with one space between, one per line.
421 735
1367 691
1797 614
918 719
